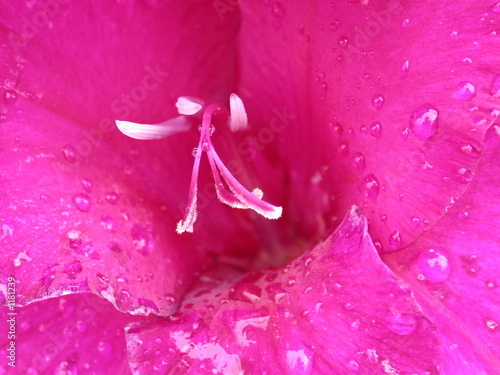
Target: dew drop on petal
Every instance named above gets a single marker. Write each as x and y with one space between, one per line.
358 160
279 9
111 197
82 202
10 97
415 221
496 8
463 215
434 265
495 86
465 91
69 153
343 42
194 151
424 121
378 101
354 325
404 134
104 348
404 68
87 185
369 186
375 129
395 240
402 324
109 224
490 324
353 365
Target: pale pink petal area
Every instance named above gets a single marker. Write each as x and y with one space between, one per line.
453 270
337 309
386 107
84 208
77 334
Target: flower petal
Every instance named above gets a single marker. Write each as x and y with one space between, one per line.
321 313
83 208
67 335
457 284
382 118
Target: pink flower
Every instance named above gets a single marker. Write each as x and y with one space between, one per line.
373 127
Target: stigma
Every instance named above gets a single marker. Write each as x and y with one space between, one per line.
229 190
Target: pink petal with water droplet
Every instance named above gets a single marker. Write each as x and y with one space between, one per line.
293 319
78 334
453 270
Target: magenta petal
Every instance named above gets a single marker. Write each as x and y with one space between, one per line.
83 208
79 334
379 117
335 309
453 270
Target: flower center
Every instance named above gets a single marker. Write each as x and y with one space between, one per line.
229 190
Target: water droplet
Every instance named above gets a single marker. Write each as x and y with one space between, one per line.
66 368
142 239
87 185
434 265
194 151
495 86
211 130
104 348
334 26
405 23
402 324
405 67
279 9
354 325
170 298
343 148
463 215
337 130
465 91
491 324
466 61
10 97
378 101
496 8
343 42
111 197
370 187
69 153
353 365
424 121
404 134
348 306
82 202
395 240
245 292
375 129
415 222
358 160
109 224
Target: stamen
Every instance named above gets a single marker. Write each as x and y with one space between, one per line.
237 196
153 131
187 105
238 119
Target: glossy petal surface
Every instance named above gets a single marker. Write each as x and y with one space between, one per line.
394 127
77 334
459 289
83 208
336 309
